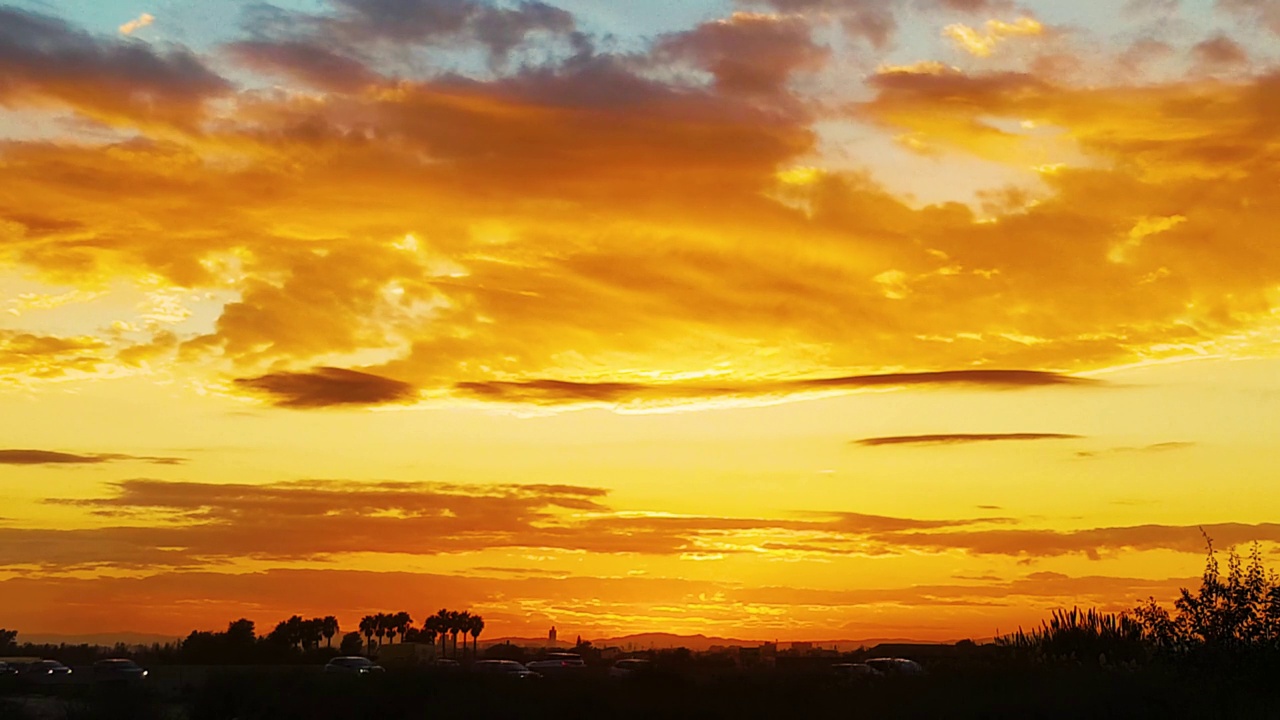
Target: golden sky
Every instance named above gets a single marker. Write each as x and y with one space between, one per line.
772 319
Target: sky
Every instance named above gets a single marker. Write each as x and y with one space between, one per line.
767 319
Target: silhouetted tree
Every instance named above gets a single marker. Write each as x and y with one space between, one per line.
368 628
8 639
329 628
1227 616
351 644
380 626
402 621
457 623
310 632
240 634
428 633
441 626
475 627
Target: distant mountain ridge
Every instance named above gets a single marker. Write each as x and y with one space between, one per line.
698 643
637 641
106 638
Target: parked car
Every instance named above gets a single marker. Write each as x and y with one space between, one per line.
855 671
118 671
445 664
630 667
45 672
352 665
505 668
896 666
559 663
6 669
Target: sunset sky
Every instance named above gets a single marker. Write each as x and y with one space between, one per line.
770 319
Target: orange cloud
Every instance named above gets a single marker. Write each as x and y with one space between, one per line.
983 44
593 229
47 357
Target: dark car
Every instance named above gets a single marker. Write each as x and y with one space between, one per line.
352 665
505 668
855 671
559 663
45 672
896 666
6 669
630 667
118 671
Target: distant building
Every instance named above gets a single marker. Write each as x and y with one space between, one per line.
551 636
801 647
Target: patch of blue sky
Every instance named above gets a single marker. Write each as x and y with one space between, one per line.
632 24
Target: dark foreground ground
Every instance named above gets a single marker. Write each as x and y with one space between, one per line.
305 694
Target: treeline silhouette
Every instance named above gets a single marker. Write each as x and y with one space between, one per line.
296 637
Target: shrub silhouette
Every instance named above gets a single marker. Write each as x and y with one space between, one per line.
1082 636
1236 615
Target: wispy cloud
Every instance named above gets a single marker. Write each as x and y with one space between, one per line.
551 392
961 438
51 457
1154 448
328 387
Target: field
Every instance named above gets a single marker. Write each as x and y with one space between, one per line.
302 693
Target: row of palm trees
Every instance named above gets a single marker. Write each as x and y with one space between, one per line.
298 632
385 625
444 625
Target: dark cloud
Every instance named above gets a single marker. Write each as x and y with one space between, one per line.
184 524
747 54
329 387
307 62
44 58
961 438
553 392
1093 543
1220 53
50 457
179 524
1266 12
442 23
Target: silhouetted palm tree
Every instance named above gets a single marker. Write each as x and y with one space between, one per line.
456 624
441 626
368 626
329 628
380 626
310 632
475 627
403 621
